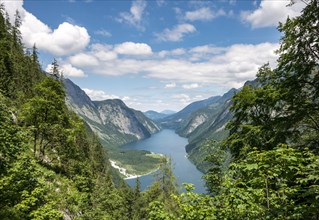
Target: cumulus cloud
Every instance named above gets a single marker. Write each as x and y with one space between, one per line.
135 16
177 33
222 66
103 58
84 60
203 14
67 70
64 40
70 71
131 48
99 94
270 13
103 52
211 49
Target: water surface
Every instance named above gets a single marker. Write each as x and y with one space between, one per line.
169 143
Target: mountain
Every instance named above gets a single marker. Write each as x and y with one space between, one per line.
201 121
208 121
155 115
112 120
168 112
180 118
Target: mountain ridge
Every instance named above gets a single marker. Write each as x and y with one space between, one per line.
111 119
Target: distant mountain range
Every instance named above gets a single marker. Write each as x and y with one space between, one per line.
168 112
112 120
201 121
158 115
117 124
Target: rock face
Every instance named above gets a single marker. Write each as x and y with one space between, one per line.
180 119
202 120
111 120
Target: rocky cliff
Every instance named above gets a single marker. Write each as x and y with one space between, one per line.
112 120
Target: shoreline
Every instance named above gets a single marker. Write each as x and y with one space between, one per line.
136 176
126 175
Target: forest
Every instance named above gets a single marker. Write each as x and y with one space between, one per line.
52 165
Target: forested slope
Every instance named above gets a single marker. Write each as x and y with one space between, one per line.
267 168
52 166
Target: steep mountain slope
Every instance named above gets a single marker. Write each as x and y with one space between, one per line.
180 119
155 115
112 120
209 119
202 121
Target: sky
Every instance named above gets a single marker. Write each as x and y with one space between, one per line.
157 54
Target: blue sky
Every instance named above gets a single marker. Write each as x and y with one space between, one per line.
158 54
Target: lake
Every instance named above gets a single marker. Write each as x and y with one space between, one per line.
169 143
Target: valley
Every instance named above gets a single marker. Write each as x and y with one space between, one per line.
118 125
80 149
115 124
167 142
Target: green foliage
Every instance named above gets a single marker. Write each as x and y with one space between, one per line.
45 115
284 108
131 160
10 136
274 135
267 185
51 167
166 179
194 206
188 206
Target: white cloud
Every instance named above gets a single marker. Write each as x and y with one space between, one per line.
12 6
134 17
205 52
270 13
84 60
184 99
99 95
174 52
170 85
203 14
67 70
191 86
223 67
70 71
131 48
207 49
48 69
106 55
103 33
64 40
178 51
177 33
103 52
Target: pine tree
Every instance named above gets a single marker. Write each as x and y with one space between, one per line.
55 70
